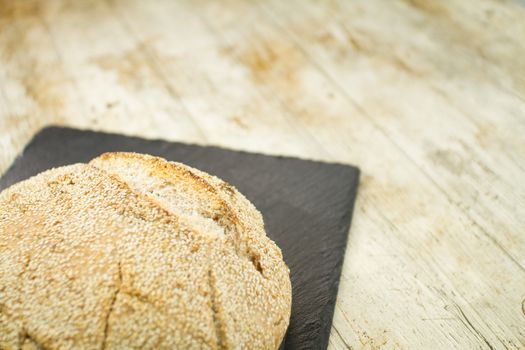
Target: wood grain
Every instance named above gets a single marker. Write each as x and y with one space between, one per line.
426 97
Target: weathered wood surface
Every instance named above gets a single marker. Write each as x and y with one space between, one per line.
426 97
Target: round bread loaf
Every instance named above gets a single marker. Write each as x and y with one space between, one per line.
134 252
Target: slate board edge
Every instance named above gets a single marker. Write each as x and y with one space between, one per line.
327 318
51 128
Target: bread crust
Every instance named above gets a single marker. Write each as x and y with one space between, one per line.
90 258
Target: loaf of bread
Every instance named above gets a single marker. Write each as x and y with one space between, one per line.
131 251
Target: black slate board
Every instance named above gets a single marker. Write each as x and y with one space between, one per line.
307 208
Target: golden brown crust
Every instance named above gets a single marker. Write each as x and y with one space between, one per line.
90 260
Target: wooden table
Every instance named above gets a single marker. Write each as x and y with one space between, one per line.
426 97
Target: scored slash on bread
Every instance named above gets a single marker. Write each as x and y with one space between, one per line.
195 197
166 256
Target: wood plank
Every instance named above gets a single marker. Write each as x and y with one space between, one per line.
447 145
46 52
34 85
120 86
220 98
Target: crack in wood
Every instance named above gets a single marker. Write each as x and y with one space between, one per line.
347 346
111 306
466 322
